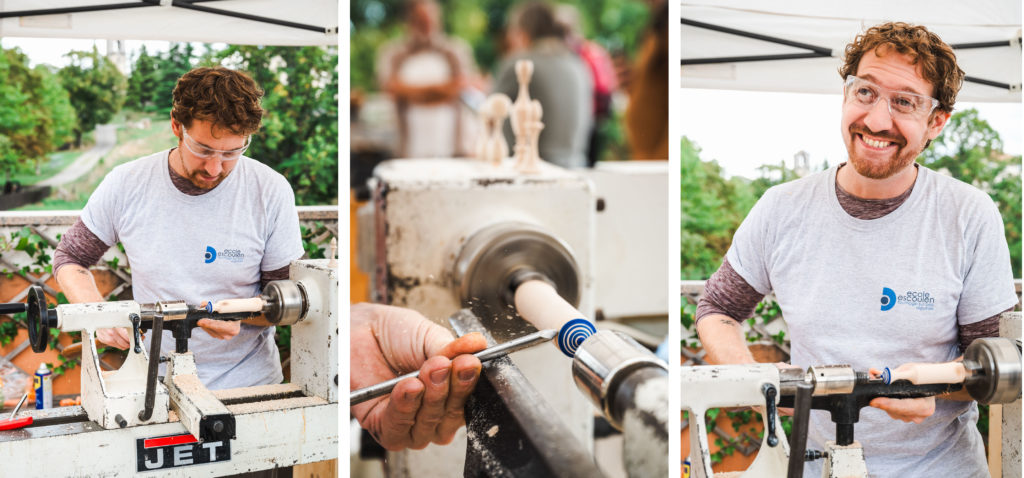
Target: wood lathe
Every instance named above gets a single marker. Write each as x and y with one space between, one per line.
133 423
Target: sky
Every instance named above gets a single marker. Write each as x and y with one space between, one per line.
745 129
51 50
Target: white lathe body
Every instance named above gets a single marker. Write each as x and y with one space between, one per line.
254 428
425 212
991 374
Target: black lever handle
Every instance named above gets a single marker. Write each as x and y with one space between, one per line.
154 367
136 331
770 392
801 423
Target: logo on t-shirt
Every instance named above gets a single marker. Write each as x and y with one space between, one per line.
919 300
888 299
231 255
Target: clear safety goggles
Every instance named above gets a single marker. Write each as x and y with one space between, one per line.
205 152
901 103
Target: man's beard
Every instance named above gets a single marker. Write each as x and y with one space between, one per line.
904 156
196 178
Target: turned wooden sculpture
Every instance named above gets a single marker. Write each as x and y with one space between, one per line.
491 146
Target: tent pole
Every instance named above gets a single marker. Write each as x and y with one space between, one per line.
821 51
245 16
88 8
741 59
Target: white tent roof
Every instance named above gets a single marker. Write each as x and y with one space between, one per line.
313 22
831 25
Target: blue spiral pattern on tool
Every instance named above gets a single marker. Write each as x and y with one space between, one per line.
886 376
572 334
209 306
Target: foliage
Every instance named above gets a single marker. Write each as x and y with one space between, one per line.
971 151
36 115
96 88
712 207
38 249
299 138
153 77
143 92
616 25
315 240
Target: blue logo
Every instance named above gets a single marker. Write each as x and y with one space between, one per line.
888 299
211 254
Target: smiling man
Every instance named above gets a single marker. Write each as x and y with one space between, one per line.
199 222
878 261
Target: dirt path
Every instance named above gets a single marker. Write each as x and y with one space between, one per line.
106 139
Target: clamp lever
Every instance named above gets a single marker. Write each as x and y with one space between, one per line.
770 392
136 331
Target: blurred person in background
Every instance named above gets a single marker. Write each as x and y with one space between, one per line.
561 82
647 83
602 75
424 73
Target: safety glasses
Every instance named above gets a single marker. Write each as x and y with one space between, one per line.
901 103
204 152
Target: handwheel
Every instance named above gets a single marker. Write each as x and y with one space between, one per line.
38 329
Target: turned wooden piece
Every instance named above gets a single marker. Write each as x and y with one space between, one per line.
227 306
521 109
491 146
927 373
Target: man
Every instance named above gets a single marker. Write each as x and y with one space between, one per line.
560 82
203 222
425 73
199 222
879 229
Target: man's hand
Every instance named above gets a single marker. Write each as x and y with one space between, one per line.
390 341
220 329
906 409
114 337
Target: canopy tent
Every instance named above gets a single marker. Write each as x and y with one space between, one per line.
246 22
797 45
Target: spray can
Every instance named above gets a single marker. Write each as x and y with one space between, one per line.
44 387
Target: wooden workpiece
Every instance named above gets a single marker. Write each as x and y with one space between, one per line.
228 306
929 373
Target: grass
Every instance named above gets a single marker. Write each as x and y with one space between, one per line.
132 143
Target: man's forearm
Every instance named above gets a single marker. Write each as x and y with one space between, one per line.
78 284
723 340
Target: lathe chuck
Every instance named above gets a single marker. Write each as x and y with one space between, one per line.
996 370
492 259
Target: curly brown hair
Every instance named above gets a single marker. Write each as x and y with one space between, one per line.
935 58
227 98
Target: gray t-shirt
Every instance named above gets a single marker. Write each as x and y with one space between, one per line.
203 248
882 292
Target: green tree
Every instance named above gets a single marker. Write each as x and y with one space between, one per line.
143 84
971 151
96 88
35 112
712 207
176 61
299 138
